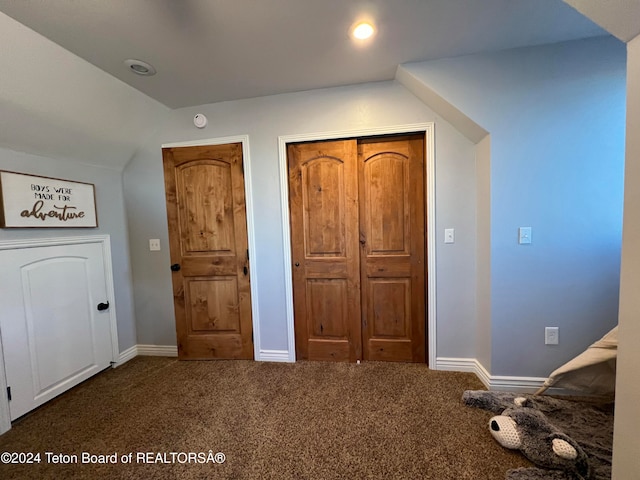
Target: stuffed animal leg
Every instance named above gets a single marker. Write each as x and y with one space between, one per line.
494 402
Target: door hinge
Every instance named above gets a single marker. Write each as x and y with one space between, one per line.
9 393
247 254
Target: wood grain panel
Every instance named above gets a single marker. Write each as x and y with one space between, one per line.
387 266
199 266
324 223
390 350
325 268
386 190
206 213
206 210
213 305
330 350
390 303
327 308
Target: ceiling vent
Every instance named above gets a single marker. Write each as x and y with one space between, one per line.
139 67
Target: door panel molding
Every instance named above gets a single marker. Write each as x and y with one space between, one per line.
105 243
46 375
428 130
246 159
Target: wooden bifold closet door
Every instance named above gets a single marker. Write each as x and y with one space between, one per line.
358 248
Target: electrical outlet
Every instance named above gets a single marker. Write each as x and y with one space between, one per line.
154 244
551 335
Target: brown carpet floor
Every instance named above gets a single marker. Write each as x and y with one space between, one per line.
308 420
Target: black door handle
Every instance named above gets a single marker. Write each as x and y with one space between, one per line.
175 267
103 306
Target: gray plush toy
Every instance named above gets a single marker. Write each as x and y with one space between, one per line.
521 426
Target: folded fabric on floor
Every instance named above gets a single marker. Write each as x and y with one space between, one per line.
593 372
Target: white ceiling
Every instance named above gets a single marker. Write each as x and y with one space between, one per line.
208 51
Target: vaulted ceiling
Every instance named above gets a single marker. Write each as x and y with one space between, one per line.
66 93
208 51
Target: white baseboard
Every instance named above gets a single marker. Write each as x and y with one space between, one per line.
172 351
456 364
516 384
274 356
483 374
464 365
147 351
158 350
127 355
492 382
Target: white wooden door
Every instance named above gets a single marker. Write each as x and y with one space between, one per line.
53 334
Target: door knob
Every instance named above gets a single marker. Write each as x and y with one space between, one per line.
297 264
175 267
103 306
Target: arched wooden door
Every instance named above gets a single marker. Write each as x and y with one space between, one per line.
209 251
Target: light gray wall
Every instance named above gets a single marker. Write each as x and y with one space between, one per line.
264 119
111 220
626 443
483 251
556 118
68 115
456 263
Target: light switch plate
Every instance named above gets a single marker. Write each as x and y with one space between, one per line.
524 235
449 235
154 244
551 335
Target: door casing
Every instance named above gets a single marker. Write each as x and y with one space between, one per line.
428 129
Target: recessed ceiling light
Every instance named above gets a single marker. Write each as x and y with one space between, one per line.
139 67
363 31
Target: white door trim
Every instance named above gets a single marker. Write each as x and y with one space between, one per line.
428 129
105 242
246 160
5 413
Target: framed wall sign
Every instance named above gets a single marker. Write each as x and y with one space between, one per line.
32 201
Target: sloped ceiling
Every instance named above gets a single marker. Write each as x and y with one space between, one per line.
212 51
55 104
66 93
